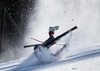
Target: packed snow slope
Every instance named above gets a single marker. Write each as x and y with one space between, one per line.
86 61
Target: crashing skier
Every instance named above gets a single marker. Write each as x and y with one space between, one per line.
51 37
41 50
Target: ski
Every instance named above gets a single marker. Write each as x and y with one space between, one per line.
55 39
29 45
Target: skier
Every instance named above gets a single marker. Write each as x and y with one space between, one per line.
51 37
41 50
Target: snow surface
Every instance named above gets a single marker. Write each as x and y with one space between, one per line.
87 61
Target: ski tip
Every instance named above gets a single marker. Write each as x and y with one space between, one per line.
75 27
25 46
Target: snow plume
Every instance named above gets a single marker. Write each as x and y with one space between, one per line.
41 56
66 14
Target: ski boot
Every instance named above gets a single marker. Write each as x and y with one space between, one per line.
53 28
